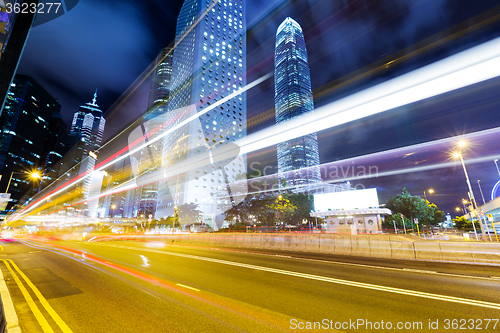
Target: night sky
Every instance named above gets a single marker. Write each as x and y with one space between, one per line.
110 45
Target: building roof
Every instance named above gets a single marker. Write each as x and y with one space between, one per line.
366 211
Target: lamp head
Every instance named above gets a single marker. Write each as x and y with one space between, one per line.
461 144
35 175
456 155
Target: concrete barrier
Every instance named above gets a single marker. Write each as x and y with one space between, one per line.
402 250
486 252
360 246
428 250
312 243
286 242
380 247
256 239
327 244
456 252
268 241
343 245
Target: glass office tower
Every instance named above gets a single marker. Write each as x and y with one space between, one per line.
298 158
208 65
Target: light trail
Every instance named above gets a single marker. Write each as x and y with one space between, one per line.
391 162
472 66
466 68
145 144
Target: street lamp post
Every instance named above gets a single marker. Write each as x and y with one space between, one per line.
480 190
34 175
278 213
473 200
430 191
496 160
173 223
465 213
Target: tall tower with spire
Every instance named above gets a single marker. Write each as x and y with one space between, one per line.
88 128
298 158
88 123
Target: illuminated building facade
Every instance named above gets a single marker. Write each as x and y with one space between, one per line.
24 130
160 82
145 197
293 97
88 123
208 65
88 128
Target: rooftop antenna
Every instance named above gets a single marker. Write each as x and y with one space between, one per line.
95 98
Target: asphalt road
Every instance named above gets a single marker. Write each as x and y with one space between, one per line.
124 286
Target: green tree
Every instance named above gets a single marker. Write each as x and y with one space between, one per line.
187 214
304 203
282 206
413 207
461 223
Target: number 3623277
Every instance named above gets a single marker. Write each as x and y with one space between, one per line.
31 8
471 324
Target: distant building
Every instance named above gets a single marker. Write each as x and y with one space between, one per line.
24 130
88 123
55 144
87 130
350 212
149 159
160 81
293 97
208 65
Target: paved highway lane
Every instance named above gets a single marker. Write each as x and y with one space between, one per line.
157 287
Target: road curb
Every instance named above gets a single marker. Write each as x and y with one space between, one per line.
8 307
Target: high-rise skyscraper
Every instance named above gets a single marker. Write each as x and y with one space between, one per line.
24 128
208 65
143 199
88 123
14 30
160 81
88 128
293 97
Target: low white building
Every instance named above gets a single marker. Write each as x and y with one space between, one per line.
353 221
350 212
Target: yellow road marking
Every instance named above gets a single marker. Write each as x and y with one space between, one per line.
62 325
38 315
1 248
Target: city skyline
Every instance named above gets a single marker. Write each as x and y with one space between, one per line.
326 144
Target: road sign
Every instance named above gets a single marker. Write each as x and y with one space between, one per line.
402 216
416 221
482 213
